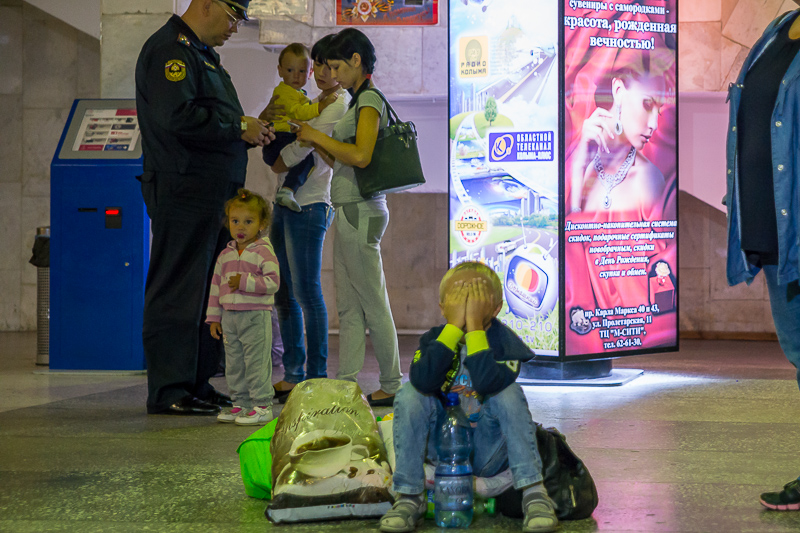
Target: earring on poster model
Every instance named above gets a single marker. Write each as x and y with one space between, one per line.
618 123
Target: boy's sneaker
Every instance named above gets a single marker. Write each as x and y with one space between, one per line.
285 197
259 416
405 515
229 415
786 500
540 514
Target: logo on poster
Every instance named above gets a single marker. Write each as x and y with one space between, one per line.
502 147
521 146
470 225
473 57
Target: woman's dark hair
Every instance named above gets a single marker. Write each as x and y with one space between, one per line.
351 41
632 66
319 52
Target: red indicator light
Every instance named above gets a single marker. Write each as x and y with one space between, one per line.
112 211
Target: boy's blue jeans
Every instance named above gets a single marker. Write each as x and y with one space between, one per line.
505 437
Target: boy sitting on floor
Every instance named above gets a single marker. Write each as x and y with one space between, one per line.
478 357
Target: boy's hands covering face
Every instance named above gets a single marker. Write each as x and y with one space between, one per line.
480 305
454 305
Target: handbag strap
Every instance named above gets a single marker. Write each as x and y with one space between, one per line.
393 118
391 121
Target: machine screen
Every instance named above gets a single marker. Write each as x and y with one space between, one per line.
103 129
107 130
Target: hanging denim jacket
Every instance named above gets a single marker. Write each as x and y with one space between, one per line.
785 134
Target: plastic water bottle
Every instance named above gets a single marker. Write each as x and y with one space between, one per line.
453 479
479 506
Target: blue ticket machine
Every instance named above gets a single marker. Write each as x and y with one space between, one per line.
100 240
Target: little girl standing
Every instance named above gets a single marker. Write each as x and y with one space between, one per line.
240 306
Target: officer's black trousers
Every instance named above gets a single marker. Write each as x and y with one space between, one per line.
186 212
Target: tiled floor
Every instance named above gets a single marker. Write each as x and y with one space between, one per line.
685 448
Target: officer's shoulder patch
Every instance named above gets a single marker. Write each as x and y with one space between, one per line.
175 70
184 39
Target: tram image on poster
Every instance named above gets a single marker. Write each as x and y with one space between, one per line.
503 160
620 182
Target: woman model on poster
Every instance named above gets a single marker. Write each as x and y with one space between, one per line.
361 296
612 181
609 171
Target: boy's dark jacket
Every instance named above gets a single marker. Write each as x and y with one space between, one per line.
435 365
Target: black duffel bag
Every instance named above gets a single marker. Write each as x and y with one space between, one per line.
569 484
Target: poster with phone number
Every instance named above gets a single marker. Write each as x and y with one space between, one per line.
620 183
503 158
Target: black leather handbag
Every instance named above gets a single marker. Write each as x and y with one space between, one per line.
395 164
566 479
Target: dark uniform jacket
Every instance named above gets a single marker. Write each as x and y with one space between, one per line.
189 113
492 370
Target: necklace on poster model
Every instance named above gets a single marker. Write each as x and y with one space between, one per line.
610 181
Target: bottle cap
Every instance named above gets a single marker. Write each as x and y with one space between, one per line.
451 399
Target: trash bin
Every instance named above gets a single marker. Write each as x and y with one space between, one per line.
41 260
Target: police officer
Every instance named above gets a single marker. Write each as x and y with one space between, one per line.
195 139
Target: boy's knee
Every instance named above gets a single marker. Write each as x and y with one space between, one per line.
409 399
511 399
408 394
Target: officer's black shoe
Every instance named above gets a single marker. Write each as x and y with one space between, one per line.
219 399
188 405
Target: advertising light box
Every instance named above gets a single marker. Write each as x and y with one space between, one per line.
563 168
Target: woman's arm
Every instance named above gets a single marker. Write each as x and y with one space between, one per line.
324 155
325 122
273 111
354 155
279 166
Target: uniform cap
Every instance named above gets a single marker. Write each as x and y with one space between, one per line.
239 6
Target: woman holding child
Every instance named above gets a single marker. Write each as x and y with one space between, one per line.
359 224
298 238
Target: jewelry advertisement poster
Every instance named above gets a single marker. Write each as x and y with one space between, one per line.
503 159
620 183
387 12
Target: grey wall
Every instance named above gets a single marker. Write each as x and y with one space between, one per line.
44 65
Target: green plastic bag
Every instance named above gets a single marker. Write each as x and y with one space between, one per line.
255 461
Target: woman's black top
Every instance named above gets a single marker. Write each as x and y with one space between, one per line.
754 121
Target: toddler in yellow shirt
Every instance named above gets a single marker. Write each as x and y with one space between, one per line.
294 67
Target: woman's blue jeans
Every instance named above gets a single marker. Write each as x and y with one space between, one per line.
297 239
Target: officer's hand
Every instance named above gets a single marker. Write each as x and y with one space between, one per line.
256 131
273 111
216 330
270 133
